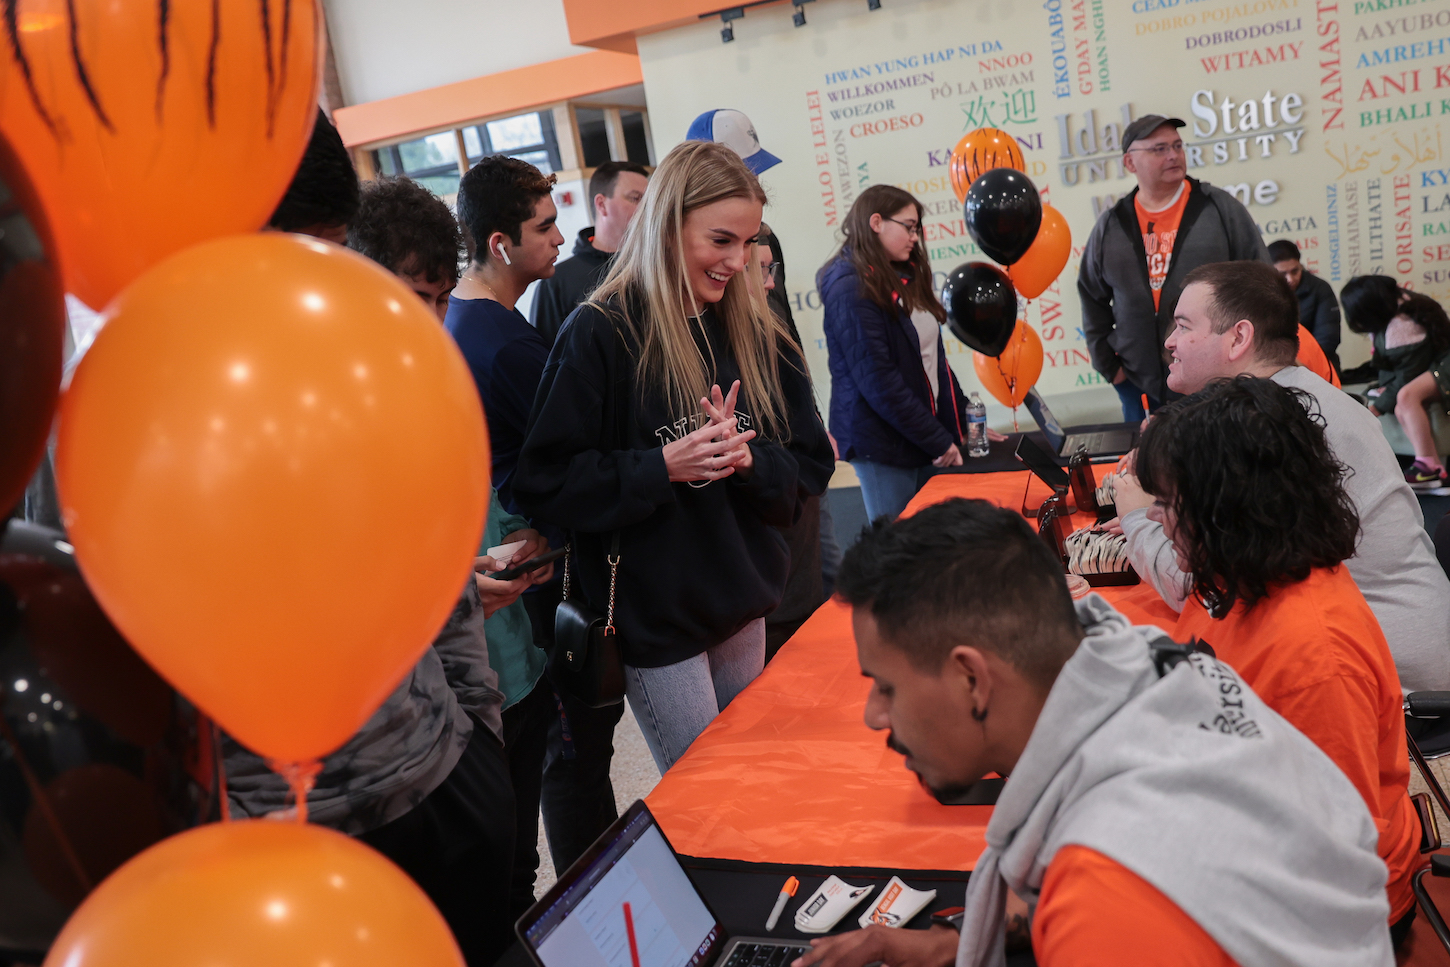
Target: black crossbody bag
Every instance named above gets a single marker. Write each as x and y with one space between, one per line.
587 661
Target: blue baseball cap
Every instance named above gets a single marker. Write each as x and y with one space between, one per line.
734 130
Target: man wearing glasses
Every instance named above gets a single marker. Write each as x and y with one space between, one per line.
1139 252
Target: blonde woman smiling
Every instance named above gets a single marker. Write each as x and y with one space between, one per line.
675 410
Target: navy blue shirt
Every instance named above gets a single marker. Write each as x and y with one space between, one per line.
506 356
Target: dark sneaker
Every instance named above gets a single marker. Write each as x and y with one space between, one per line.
1421 477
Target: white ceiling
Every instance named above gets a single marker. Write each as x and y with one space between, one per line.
385 47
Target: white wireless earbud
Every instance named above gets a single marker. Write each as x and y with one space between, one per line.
504 255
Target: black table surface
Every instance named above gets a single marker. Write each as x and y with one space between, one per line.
742 894
1003 455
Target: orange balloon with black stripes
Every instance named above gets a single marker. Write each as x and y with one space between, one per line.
150 126
982 150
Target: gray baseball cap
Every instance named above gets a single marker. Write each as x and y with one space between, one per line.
1146 125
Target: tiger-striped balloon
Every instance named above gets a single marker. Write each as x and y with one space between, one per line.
982 150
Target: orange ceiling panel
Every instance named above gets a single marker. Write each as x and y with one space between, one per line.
450 105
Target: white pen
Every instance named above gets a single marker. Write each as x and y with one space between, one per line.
786 892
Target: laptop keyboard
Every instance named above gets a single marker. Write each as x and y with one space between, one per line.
763 955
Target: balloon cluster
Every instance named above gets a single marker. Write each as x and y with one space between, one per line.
1006 217
272 463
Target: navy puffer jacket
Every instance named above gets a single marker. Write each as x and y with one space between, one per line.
881 404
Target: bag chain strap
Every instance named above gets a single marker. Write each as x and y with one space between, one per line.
567 547
613 583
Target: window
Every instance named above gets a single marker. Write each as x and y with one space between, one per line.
432 161
636 142
593 135
528 137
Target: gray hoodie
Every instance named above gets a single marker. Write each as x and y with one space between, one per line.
1191 782
408 747
1122 329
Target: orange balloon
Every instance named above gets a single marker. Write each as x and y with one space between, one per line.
1044 261
257 893
274 470
1009 376
982 150
148 131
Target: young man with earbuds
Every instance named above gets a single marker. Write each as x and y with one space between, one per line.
506 206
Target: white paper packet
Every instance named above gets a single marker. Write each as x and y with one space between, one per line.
825 907
897 904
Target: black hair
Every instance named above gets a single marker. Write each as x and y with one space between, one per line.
1371 301
404 227
324 191
606 176
498 195
1284 250
1258 494
964 572
1252 290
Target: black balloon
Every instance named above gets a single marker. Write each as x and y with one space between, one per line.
88 725
981 306
32 328
1003 213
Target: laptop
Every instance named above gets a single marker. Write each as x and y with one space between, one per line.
581 922
1114 440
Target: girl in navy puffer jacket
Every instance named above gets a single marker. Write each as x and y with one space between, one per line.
895 405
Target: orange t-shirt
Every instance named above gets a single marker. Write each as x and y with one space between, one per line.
1160 231
1311 357
1094 912
1315 654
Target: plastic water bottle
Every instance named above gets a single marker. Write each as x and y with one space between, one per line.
977 443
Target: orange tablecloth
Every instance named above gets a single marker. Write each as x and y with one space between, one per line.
790 774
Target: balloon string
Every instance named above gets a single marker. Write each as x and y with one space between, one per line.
301 777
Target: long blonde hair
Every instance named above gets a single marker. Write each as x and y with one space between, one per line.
648 286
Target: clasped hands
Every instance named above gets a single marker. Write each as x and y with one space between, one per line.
717 449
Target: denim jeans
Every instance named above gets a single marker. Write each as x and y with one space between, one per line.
675 703
885 490
1132 399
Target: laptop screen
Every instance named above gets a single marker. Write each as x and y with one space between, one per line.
585 926
1037 406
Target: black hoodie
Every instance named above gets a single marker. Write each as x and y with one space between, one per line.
698 561
573 281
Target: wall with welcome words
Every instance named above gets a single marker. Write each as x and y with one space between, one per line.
1325 117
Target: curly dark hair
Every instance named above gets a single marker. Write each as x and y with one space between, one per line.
498 195
1371 301
404 227
324 190
1258 495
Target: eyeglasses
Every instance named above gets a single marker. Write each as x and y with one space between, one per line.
769 268
912 228
1162 150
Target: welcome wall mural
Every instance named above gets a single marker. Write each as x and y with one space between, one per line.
1326 118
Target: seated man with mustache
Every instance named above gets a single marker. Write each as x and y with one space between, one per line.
1156 811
